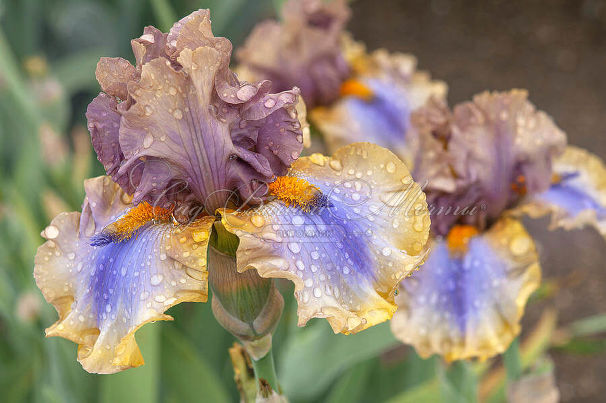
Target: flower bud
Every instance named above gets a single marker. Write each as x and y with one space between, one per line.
245 304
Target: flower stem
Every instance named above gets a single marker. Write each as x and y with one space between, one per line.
512 361
265 372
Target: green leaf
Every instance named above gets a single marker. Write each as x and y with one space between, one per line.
314 356
426 392
459 383
137 384
186 375
350 387
164 14
583 347
589 326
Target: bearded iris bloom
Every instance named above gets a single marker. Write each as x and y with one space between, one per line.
353 95
191 151
485 163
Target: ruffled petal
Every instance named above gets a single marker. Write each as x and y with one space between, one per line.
497 148
392 90
113 73
363 231
469 306
577 196
103 294
183 127
303 50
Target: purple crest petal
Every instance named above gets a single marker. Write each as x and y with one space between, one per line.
303 50
188 128
494 150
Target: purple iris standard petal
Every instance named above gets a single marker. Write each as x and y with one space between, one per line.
188 128
104 293
577 196
303 50
498 148
466 306
364 231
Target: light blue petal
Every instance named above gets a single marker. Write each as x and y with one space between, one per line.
469 306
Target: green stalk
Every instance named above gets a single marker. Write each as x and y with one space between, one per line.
265 370
512 361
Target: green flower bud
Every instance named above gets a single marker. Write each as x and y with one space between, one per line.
245 304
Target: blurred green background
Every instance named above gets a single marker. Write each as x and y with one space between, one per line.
48 53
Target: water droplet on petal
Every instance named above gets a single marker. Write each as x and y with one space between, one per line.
51 232
177 114
199 236
156 279
257 220
246 92
148 140
335 164
270 103
317 159
390 167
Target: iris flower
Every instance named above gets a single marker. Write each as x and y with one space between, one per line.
353 95
190 150
484 164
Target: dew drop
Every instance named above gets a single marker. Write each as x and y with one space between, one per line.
51 232
390 167
257 220
317 159
156 279
148 140
270 103
178 114
246 92
199 236
294 247
336 165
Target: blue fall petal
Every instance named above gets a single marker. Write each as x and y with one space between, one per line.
470 305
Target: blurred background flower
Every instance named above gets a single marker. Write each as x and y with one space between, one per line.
48 54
